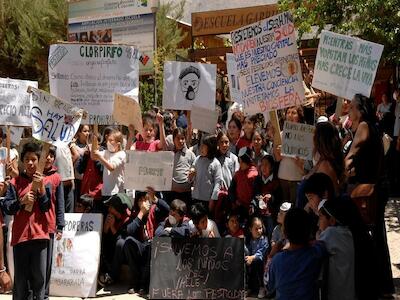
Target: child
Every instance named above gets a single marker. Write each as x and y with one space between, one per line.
113 160
176 225
146 141
55 215
241 190
234 131
207 173
79 148
339 243
267 193
294 272
233 226
200 225
259 141
256 250
249 127
183 160
84 204
30 236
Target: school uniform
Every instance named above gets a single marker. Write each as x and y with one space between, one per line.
208 179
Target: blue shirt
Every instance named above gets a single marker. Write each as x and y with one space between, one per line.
294 273
258 247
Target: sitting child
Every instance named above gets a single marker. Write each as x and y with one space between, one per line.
200 225
176 224
233 226
84 204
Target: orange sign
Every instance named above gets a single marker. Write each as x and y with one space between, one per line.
224 21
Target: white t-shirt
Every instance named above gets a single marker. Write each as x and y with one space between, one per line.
113 182
64 163
211 227
289 170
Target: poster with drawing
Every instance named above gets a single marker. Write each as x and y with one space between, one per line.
187 84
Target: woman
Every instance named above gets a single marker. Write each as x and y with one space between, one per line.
234 130
363 165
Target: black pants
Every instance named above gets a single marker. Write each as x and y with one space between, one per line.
255 274
49 265
30 261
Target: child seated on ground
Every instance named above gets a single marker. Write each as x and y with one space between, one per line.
294 272
255 252
176 224
84 204
200 225
233 226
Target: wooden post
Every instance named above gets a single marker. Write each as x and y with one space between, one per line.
8 142
273 117
40 169
95 142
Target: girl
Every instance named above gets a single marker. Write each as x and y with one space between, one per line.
79 148
229 165
113 161
234 131
255 252
249 127
291 170
233 226
147 141
259 140
206 173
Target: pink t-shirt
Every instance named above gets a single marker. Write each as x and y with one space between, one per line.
143 146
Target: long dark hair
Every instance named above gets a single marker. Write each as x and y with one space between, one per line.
366 108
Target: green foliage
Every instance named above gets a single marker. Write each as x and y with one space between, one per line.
374 20
28 28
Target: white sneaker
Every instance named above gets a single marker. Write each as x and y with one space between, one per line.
261 293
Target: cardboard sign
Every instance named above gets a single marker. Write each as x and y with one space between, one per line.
53 120
88 75
345 66
204 119
154 169
268 64
297 140
127 111
187 84
14 102
16 134
202 268
76 256
233 79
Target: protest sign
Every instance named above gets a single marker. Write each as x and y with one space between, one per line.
233 79
297 140
14 102
268 64
3 163
16 134
345 65
204 119
108 21
187 84
205 268
88 75
53 120
127 111
76 256
154 169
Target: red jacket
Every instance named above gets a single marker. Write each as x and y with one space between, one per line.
27 225
55 215
242 186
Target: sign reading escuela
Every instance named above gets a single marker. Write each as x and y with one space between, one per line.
224 21
345 65
197 268
297 140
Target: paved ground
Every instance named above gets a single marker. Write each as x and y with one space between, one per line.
393 234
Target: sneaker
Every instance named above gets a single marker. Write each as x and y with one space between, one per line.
104 280
261 293
132 291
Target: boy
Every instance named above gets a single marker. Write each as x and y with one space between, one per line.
201 225
294 273
176 225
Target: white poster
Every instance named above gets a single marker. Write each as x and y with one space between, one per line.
345 65
204 119
3 163
88 75
14 102
53 121
16 134
149 169
187 84
233 79
297 140
268 65
76 256
127 111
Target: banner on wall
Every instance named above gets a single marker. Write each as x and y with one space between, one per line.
53 121
108 21
189 84
88 75
345 65
268 65
297 140
14 102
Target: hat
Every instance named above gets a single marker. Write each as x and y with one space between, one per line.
246 154
120 202
285 206
322 119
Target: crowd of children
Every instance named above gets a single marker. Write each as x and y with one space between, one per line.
304 236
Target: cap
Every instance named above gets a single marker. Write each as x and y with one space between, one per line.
120 202
285 206
246 154
322 119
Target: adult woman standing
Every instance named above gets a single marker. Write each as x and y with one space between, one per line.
363 165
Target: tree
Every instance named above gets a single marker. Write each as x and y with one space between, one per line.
374 20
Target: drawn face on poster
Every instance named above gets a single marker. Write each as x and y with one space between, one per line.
189 80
